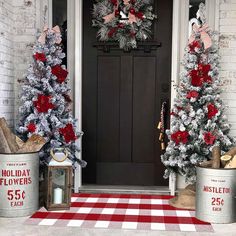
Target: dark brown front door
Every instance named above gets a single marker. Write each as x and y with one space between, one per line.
122 96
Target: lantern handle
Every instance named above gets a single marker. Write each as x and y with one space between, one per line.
55 158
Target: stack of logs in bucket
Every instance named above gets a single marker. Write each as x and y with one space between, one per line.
19 173
228 160
10 143
186 197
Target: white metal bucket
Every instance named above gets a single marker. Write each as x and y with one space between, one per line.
216 195
19 184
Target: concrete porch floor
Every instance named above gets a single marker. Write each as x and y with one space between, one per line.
16 227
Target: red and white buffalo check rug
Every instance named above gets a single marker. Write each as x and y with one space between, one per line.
121 211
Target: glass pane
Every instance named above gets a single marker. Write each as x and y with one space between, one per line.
60 18
193 13
59 186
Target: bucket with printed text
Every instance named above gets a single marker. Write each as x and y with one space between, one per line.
216 195
19 184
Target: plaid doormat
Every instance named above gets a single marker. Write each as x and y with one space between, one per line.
121 211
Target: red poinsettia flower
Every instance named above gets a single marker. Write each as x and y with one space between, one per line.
43 103
192 94
192 46
139 15
200 75
68 133
31 127
203 72
40 57
212 110
180 137
209 138
60 73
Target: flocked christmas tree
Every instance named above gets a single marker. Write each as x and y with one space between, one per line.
45 98
197 118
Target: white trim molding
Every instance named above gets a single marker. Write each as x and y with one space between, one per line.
78 83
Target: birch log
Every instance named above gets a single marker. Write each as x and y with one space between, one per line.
9 136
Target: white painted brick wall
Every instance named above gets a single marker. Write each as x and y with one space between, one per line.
6 61
24 37
227 27
19 23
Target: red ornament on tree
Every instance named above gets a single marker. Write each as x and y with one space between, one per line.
40 57
68 133
209 138
31 127
212 110
43 103
60 73
194 45
192 94
180 137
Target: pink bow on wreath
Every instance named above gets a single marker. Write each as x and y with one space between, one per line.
111 16
55 29
126 2
206 39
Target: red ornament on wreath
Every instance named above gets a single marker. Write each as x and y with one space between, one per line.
68 133
114 2
132 11
43 104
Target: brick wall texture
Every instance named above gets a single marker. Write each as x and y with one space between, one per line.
227 44
19 25
17 36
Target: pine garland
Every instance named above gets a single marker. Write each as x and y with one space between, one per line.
124 21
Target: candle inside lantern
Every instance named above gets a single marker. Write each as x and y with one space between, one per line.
60 156
57 196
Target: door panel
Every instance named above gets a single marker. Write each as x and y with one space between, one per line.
144 102
108 109
122 95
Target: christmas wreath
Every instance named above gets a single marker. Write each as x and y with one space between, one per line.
125 21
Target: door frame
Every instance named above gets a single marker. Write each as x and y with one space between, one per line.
179 35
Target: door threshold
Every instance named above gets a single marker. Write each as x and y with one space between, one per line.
164 190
